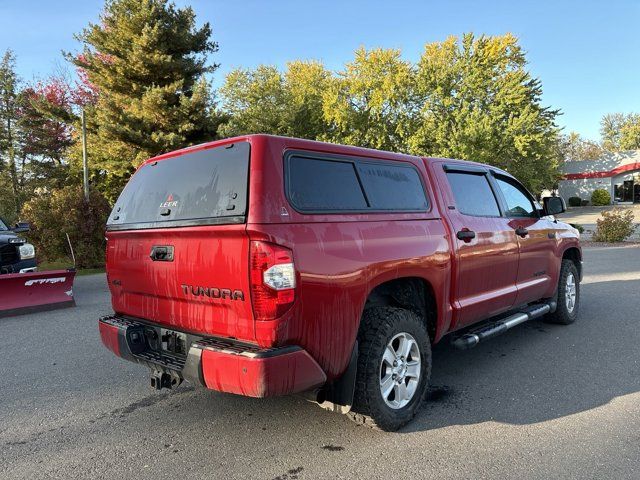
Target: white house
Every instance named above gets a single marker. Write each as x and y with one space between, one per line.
618 173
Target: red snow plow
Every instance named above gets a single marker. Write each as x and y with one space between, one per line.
36 291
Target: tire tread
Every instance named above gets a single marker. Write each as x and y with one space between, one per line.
376 326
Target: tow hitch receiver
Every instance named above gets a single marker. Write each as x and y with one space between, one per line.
224 365
160 380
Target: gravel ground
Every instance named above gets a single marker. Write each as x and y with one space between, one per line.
542 401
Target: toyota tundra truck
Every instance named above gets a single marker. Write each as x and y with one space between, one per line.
264 265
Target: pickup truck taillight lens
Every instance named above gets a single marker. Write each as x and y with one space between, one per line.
273 280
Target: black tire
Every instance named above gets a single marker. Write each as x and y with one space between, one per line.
563 314
379 327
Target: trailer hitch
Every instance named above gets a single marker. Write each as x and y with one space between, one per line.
160 380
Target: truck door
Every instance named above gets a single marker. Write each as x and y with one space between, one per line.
486 248
536 241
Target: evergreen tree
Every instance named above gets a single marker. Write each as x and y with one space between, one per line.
147 61
9 180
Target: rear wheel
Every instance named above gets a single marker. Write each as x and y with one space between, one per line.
568 296
394 366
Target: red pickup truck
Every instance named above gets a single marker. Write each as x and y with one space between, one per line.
264 265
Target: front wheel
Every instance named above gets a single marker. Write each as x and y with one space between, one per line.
568 295
394 366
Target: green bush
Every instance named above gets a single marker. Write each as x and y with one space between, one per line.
575 201
600 197
56 213
615 225
578 227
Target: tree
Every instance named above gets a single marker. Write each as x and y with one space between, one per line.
479 102
267 101
45 129
469 98
147 62
57 212
8 135
35 133
574 148
370 103
620 131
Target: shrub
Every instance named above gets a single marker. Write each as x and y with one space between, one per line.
584 203
600 197
575 201
56 213
615 225
578 227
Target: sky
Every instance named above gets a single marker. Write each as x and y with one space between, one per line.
586 53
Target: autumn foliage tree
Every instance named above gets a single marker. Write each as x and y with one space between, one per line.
265 100
620 131
479 102
45 124
35 134
470 97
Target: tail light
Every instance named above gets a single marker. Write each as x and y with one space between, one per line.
273 280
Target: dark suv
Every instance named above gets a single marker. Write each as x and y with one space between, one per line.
16 255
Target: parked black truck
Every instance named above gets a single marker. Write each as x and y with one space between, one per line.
16 255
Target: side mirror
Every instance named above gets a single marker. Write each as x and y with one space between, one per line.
21 227
553 206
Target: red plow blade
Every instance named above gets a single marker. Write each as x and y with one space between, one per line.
37 291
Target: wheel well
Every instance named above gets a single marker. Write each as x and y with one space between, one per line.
411 293
573 254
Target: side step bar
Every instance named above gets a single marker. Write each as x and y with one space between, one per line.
493 329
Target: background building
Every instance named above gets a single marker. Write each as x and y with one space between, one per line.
618 173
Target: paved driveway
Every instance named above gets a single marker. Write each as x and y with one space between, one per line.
588 216
541 401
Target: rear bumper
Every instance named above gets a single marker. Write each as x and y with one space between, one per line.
222 365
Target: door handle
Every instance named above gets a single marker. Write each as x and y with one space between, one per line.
466 235
161 253
522 232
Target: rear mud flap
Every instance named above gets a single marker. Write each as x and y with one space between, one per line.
22 293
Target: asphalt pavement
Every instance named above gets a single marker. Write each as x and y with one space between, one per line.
541 401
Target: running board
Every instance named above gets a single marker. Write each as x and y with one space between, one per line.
493 329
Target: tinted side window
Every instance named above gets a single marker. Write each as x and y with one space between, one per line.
518 202
324 185
473 194
391 187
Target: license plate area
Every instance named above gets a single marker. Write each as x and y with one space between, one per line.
173 342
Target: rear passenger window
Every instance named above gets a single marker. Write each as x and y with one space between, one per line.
324 185
355 185
391 187
473 194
